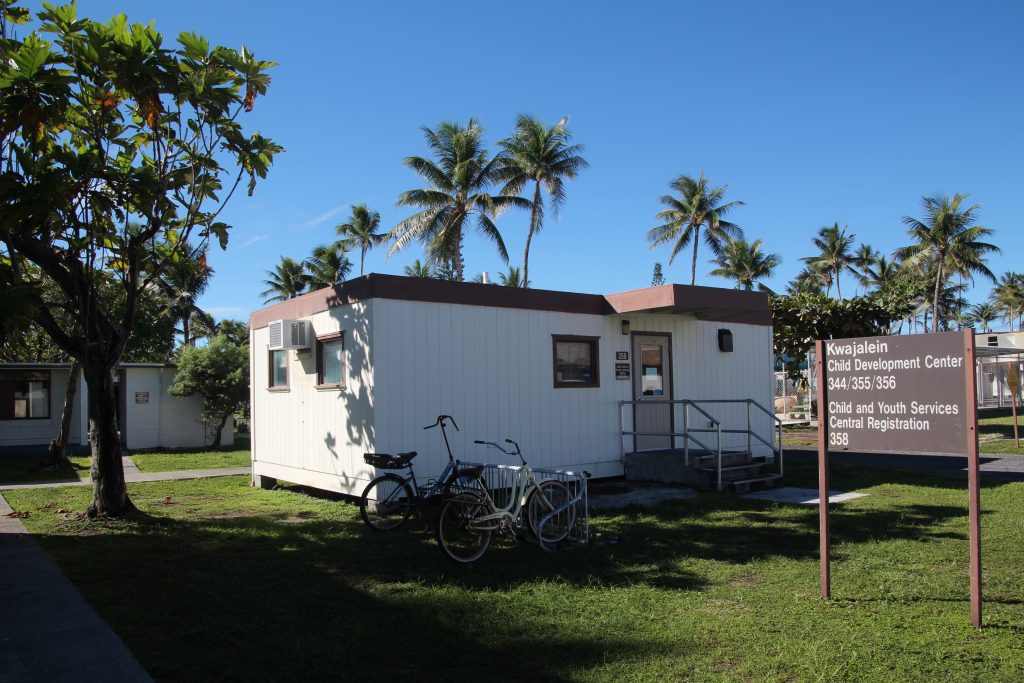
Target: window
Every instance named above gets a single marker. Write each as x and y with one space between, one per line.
652 376
575 361
330 364
24 395
278 370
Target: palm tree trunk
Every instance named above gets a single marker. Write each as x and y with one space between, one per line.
362 260
839 294
459 265
693 268
529 234
935 300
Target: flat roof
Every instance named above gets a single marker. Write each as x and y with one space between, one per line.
705 303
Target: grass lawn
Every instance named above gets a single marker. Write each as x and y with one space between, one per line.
165 462
18 469
221 581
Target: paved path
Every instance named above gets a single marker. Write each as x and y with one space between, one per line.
48 632
132 475
996 467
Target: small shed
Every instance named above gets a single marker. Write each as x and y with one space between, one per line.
32 397
363 366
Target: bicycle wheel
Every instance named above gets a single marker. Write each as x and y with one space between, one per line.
558 527
386 503
459 542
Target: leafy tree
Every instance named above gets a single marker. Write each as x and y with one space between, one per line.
810 281
418 269
834 254
542 155
328 265
697 205
657 277
219 373
798 321
459 178
746 264
360 230
513 278
947 242
115 150
863 259
287 281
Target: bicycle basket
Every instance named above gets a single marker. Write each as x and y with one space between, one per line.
386 461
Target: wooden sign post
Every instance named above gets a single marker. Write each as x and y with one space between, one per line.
900 394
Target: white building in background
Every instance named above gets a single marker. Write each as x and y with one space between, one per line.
997 351
365 365
32 397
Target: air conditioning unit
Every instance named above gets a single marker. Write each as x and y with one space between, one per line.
289 334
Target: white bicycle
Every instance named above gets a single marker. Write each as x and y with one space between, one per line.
469 517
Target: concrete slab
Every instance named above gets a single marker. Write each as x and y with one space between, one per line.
629 494
802 496
48 631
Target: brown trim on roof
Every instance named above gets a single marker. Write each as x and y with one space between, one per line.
706 303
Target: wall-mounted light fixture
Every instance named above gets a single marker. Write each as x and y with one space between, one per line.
625 327
725 341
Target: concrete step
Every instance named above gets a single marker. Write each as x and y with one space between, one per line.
766 481
736 472
728 458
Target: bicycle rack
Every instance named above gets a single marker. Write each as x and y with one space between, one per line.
500 482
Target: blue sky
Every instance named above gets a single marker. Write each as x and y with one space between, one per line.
810 112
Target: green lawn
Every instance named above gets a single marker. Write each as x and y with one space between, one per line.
19 469
222 581
165 462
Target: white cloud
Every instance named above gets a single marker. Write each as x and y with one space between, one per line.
323 217
221 312
254 239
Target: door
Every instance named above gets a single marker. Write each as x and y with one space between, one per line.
652 381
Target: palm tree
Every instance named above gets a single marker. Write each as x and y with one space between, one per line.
746 264
863 258
834 247
181 283
696 206
983 314
328 265
947 242
810 281
881 274
1008 297
361 231
417 269
287 281
459 176
542 155
512 278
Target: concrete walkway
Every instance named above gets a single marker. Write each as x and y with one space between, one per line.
133 475
48 632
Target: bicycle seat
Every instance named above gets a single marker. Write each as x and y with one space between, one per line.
386 461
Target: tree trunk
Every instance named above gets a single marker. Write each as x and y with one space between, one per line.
693 267
529 235
935 300
459 265
184 329
215 446
839 293
109 494
57 455
362 260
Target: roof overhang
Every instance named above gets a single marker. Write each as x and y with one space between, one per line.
704 303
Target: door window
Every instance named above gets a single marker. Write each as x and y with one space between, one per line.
652 375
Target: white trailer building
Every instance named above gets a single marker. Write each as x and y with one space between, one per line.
363 366
32 397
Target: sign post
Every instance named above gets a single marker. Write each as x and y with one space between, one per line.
900 394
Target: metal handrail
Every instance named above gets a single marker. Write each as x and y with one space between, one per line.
715 427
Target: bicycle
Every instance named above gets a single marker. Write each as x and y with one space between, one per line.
470 516
389 499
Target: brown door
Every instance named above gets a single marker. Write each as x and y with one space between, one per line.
651 382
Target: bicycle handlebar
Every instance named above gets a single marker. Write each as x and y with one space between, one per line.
440 421
517 451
